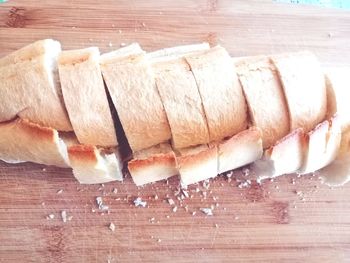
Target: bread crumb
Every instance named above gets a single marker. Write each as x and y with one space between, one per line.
156 197
122 44
138 202
100 204
60 191
110 44
50 216
207 211
174 209
216 226
64 216
112 227
171 201
115 190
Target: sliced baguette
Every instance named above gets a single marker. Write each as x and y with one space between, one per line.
153 164
23 141
285 157
304 87
29 86
84 92
95 166
266 102
198 163
132 87
182 102
241 149
221 93
323 145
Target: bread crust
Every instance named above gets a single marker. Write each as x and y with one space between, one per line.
182 103
304 86
221 93
132 86
83 91
23 141
264 94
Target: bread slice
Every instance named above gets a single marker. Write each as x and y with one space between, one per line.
221 93
95 166
182 103
241 149
198 163
304 87
323 145
132 87
23 141
29 86
338 94
85 97
338 172
266 102
177 51
285 157
153 164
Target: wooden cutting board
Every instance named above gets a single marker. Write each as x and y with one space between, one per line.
287 220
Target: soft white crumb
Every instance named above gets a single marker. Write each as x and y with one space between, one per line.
112 227
207 211
64 216
138 202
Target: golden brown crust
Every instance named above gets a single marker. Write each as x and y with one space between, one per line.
167 159
83 153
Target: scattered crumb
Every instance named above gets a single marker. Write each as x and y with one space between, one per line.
207 211
50 216
156 197
100 204
138 202
44 169
122 44
236 217
245 171
174 209
171 201
64 216
194 213
60 191
110 44
112 227
244 184
216 226
159 240
120 31
115 190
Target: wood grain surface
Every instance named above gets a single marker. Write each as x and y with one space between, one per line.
287 220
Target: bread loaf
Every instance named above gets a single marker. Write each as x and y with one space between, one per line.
189 95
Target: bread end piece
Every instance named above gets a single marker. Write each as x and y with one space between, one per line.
23 141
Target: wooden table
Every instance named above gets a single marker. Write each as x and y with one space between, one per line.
288 220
